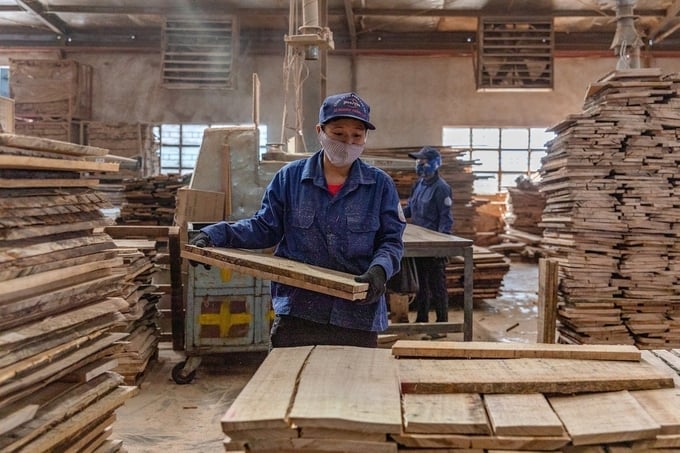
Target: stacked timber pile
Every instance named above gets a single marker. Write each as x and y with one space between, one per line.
135 141
611 183
454 170
523 235
132 141
151 201
450 395
141 314
489 269
526 204
490 218
59 300
51 97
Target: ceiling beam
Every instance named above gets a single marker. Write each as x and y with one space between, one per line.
208 7
671 14
52 21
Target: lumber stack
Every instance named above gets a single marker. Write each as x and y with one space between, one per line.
133 140
151 200
141 314
51 97
490 216
456 396
610 180
526 204
489 269
59 300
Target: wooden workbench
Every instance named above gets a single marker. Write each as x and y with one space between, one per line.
421 242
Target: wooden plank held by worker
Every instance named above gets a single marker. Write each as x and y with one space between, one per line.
281 270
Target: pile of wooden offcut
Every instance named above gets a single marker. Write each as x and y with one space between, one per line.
51 97
150 201
141 314
490 218
526 204
611 183
59 300
135 141
489 268
462 396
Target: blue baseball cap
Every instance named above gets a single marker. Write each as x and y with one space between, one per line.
426 152
345 105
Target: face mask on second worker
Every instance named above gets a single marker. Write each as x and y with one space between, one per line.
340 153
427 167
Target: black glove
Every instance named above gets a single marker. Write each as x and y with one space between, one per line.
375 277
200 240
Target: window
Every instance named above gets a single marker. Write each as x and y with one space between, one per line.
500 155
181 143
4 81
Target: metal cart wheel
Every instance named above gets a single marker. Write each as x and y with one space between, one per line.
180 377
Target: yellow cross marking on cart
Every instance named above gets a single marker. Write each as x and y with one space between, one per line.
225 319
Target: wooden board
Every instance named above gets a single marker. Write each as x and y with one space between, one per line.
32 285
419 241
30 332
461 441
527 376
46 144
489 350
522 415
57 402
42 163
9 183
664 407
78 422
327 433
654 360
264 401
607 417
16 415
442 413
348 388
282 270
548 280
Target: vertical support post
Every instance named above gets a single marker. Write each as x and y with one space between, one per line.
226 179
176 295
547 300
467 292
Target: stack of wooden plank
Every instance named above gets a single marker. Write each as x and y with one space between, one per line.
490 216
526 204
455 396
151 200
59 300
489 268
141 314
51 97
610 217
134 140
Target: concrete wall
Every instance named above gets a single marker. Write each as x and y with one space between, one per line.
411 98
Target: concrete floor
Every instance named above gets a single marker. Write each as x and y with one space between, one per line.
165 416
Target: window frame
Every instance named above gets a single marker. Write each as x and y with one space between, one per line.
500 174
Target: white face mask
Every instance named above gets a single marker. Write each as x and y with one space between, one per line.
339 153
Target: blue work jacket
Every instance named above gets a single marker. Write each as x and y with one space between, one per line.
429 205
361 226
